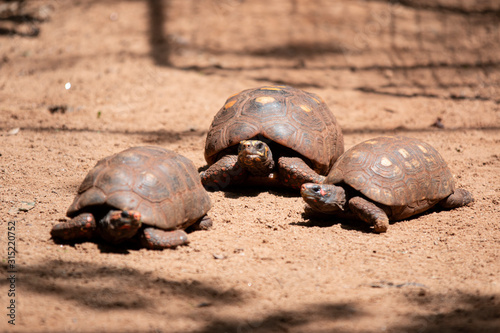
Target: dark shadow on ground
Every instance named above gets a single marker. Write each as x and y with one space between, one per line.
283 321
125 247
317 220
101 288
149 137
349 221
433 313
428 95
450 7
164 136
452 312
242 191
11 32
22 21
401 130
107 287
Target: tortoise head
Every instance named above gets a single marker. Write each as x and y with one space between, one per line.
119 225
256 157
324 198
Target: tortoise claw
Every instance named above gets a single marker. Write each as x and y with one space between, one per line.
370 213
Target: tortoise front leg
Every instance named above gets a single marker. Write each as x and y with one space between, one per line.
370 213
294 172
81 227
458 198
157 239
223 173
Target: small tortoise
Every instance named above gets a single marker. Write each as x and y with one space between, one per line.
386 178
271 135
149 192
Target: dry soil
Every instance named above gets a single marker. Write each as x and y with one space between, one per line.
80 80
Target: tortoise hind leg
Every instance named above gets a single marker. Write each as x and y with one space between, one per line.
81 227
222 173
203 223
157 239
459 198
294 172
370 213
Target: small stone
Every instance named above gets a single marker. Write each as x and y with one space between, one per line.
203 304
219 256
14 131
26 206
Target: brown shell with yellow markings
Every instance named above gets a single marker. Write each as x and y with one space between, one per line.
395 171
162 185
290 117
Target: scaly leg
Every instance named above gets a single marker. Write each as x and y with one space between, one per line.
204 223
294 172
223 173
81 227
370 213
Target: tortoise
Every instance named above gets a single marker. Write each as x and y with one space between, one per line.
384 179
147 193
271 135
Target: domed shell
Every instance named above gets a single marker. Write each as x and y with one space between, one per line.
288 116
162 185
394 171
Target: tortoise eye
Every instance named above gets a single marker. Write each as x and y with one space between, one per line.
259 146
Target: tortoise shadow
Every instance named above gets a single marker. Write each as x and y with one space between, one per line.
252 190
124 248
319 220
236 192
350 222
101 245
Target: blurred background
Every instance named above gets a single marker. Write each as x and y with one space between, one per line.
442 48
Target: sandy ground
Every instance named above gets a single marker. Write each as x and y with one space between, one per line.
80 80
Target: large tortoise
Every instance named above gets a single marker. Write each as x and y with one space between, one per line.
386 179
148 192
271 135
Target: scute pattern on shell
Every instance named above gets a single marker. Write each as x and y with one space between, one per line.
161 184
394 171
288 116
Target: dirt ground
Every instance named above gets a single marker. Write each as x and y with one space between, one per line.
80 80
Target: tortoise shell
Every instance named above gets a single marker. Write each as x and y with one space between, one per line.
162 185
290 117
395 171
